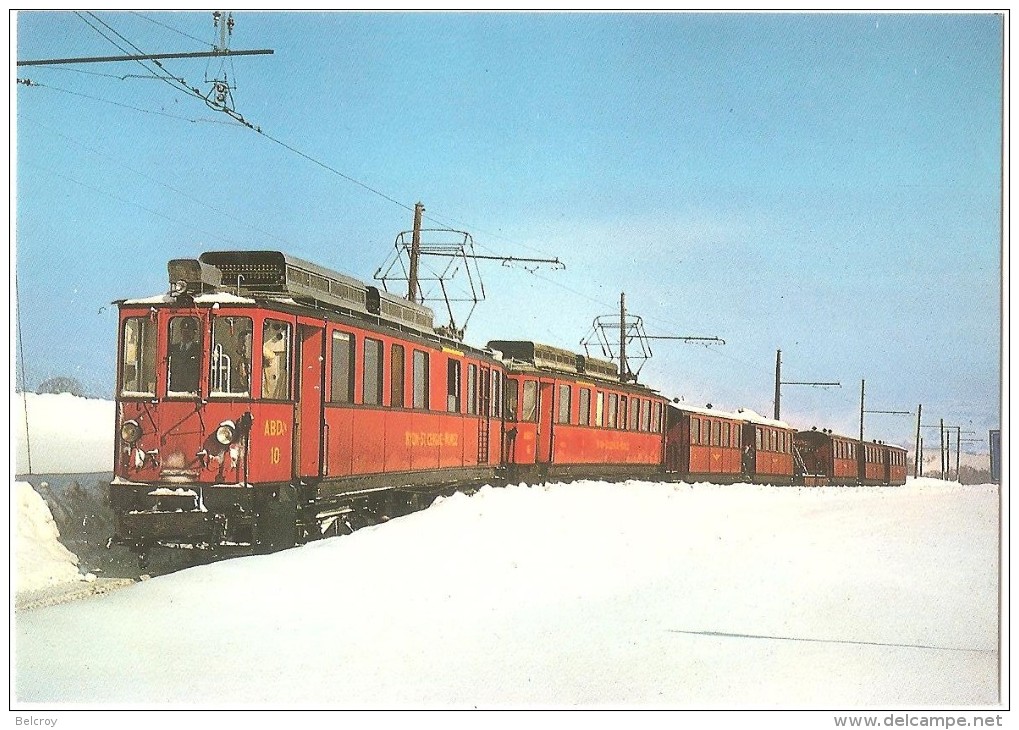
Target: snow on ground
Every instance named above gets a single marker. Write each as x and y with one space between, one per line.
68 434
586 594
41 560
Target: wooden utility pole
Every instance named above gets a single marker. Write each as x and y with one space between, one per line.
862 411
918 460
943 476
622 338
958 446
779 383
862 391
415 254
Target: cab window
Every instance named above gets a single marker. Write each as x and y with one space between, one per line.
529 409
185 358
230 362
275 360
138 360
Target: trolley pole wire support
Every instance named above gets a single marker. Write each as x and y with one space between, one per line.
862 411
146 57
779 383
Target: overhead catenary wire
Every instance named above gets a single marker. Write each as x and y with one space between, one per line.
180 84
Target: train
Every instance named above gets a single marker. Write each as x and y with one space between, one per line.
265 401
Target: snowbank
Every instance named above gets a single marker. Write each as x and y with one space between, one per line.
587 594
68 434
42 561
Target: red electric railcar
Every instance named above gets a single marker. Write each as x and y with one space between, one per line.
265 398
569 417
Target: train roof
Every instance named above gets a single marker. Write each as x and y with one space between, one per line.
247 277
827 434
274 274
550 357
743 414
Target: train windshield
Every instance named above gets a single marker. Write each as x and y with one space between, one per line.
230 363
184 356
138 364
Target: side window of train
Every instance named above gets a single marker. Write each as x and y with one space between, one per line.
529 407
622 412
736 435
725 434
610 417
585 406
138 361
420 383
372 391
599 409
645 416
760 439
472 389
633 424
563 413
496 394
716 433
341 377
695 430
396 365
453 385
275 360
230 365
705 432
185 356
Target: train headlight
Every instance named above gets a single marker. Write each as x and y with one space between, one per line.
226 433
130 432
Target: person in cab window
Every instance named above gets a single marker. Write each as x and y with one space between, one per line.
184 357
274 350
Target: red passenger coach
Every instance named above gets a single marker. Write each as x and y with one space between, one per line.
768 449
705 444
569 417
827 458
266 400
721 447
882 464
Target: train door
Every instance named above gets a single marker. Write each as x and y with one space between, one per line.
543 454
484 409
308 411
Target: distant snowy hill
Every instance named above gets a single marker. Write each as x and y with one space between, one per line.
67 434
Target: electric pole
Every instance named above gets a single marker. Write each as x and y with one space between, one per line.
779 383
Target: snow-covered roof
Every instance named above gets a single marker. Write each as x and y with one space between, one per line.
215 298
742 414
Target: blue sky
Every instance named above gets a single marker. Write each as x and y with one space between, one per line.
827 184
